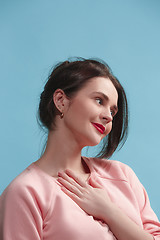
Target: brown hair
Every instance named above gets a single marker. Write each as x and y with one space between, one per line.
71 76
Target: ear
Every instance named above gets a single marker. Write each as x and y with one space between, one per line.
60 99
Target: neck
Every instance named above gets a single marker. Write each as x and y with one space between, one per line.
60 154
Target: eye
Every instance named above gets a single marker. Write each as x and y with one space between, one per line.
99 101
113 113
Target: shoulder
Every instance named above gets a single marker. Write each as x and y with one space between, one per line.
124 178
28 199
112 169
30 185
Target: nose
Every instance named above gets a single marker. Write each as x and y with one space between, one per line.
107 116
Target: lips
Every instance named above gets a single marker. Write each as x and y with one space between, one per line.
99 127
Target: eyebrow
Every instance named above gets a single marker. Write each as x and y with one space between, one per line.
106 98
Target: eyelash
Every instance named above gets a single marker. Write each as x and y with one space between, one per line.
112 113
101 100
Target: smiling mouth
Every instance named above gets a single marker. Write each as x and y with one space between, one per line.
99 127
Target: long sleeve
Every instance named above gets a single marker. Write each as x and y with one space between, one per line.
149 219
127 192
20 214
26 205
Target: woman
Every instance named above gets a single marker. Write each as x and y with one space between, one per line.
64 196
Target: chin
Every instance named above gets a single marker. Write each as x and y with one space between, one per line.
94 141
90 139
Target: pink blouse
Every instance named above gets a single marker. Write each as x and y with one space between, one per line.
34 207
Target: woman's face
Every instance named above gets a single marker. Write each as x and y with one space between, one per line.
90 112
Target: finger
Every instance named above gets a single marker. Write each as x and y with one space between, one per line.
69 186
64 175
94 183
73 196
70 179
76 178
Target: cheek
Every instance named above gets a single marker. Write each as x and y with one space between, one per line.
76 113
81 109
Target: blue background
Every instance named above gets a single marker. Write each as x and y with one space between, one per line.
36 34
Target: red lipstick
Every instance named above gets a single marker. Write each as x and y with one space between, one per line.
99 127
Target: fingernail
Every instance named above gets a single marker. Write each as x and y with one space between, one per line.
59 174
59 183
59 178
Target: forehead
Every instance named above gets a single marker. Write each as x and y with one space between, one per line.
101 85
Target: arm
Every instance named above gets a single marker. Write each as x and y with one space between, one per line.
123 227
96 202
20 217
149 219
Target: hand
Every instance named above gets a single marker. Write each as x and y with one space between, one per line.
95 201
92 199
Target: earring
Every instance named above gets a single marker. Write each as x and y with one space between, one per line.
62 115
